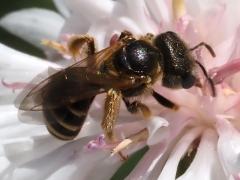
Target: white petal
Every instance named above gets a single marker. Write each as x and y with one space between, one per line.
50 161
76 24
146 165
157 128
161 130
22 150
229 147
161 11
4 164
90 127
33 25
62 7
152 163
17 67
12 128
129 24
205 164
170 168
88 165
102 30
138 12
91 9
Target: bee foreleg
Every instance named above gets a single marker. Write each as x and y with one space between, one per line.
164 101
135 106
126 36
149 37
111 110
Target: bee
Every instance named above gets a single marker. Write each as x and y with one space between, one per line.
128 68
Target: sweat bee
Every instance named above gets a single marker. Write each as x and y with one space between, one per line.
125 69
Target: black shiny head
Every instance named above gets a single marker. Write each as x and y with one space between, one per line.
138 58
177 64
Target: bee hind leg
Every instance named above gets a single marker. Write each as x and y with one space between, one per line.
111 110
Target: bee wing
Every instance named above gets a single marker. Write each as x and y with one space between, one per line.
72 84
93 62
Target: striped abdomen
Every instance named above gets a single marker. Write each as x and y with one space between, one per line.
66 122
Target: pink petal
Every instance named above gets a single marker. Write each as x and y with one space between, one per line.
221 73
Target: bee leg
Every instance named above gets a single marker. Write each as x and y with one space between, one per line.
164 101
126 36
74 46
79 43
111 110
135 106
149 37
112 105
207 46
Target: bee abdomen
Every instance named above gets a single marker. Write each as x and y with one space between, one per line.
66 122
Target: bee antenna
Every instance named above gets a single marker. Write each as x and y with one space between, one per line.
208 47
208 78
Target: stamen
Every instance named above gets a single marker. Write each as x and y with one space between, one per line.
135 138
228 92
15 85
60 48
179 9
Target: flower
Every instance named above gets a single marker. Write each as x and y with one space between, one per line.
205 129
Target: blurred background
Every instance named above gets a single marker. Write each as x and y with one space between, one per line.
7 6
